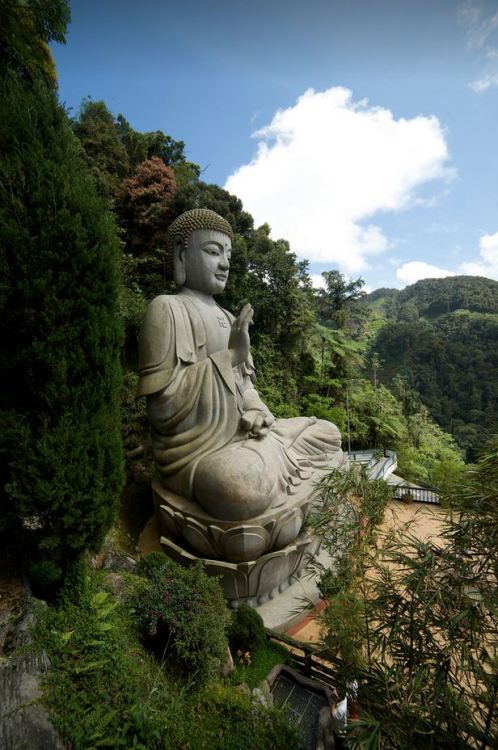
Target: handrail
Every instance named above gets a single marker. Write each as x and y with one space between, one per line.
315 663
308 648
379 462
418 494
385 452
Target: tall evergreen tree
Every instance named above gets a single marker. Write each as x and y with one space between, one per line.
338 297
104 152
26 28
60 452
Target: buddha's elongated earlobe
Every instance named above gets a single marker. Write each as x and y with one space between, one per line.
179 271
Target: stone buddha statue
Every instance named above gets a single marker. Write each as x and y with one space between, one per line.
231 480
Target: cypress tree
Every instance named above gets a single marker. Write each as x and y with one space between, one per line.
61 466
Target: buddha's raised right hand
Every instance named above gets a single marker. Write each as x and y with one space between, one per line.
239 342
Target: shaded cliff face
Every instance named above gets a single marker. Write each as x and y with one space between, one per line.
442 336
25 722
12 607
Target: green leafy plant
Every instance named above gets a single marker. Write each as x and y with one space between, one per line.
349 511
101 690
153 564
245 726
105 690
416 624
45 578
262 660
247 629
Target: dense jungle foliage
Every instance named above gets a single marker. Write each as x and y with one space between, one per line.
110 687
61 465
441 335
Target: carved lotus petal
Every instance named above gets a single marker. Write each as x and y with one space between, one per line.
289 528
270 526
244 543
170 521
198 538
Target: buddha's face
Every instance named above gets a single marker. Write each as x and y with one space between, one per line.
207 261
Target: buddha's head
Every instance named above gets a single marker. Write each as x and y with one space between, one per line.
200 243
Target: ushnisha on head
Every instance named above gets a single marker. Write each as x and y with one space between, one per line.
200 245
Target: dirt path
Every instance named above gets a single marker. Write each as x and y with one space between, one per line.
425 522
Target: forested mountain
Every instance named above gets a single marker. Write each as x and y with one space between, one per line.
441 335
434 297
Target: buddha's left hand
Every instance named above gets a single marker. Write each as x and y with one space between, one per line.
257 423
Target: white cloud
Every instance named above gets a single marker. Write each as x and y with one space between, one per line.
488 264
479 30
488 248
317 280
469 16
325 166
485 82
415 270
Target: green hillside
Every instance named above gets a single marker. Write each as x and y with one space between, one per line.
442 336
434 297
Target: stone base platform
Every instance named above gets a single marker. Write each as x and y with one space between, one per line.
235 541
292 606
282 612
255 581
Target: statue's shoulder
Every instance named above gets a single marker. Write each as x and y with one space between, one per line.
153 344
160 305
168 334
172 320
164 308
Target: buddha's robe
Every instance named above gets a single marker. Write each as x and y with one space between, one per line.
195 400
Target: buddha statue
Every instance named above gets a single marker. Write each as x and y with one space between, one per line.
231 480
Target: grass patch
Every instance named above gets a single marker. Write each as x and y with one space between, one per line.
262 661
222 719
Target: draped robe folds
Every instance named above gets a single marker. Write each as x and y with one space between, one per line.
195 400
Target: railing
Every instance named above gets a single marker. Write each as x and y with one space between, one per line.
374 453
416 494
310 663
383 462
380 463
309 659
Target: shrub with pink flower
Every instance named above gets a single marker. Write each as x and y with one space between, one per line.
183 613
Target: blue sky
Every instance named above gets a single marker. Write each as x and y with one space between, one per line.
364 131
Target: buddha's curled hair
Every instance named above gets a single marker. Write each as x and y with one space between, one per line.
197 218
